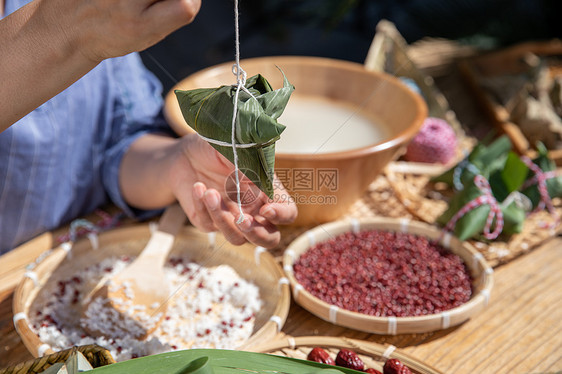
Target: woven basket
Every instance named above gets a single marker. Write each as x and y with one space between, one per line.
96 356
389 53
480 271
373 355
251 263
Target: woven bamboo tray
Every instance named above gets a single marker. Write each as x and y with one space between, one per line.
501 62
480 271
96 356
373 355
250 262
426 201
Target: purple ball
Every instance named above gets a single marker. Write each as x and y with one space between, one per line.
436 142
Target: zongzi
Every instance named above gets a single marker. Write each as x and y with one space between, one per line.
209 112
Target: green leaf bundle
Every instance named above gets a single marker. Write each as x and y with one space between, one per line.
507 175
209 112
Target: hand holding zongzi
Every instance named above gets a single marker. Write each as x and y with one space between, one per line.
158 170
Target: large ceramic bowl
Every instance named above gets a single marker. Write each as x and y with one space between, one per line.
326 168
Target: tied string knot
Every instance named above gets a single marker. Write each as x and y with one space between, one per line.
486 199
241 85
540 179
457 173
240 76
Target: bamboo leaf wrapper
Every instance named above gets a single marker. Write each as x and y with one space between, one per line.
209 112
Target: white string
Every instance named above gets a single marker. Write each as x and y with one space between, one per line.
240 82
333 314
277 321
237 145
291 341
391 325
386 354
227 144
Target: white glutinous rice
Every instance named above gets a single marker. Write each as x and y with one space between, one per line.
210 308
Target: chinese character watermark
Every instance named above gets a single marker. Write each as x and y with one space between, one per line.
307 186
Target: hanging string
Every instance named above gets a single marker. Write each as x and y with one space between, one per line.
240 85
240 82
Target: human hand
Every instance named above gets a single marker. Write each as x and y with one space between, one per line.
199 184
47 45
101 29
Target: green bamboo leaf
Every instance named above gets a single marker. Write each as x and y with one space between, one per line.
469 193
473 222
514 173
200 365
493 157
221 362
499 188
514 218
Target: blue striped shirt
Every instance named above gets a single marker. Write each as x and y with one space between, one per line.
62 160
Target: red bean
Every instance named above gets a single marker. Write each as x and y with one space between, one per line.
383 273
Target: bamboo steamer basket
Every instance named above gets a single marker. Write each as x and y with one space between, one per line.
481 272
251 263
374 355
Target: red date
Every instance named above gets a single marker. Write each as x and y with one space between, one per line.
395 366
349 359
319 355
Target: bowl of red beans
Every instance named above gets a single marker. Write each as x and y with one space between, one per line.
387 276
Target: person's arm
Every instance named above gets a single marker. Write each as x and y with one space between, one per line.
46 46
158 170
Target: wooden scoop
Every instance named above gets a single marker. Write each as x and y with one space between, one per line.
133 302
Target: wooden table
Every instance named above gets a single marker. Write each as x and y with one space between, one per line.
519 332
